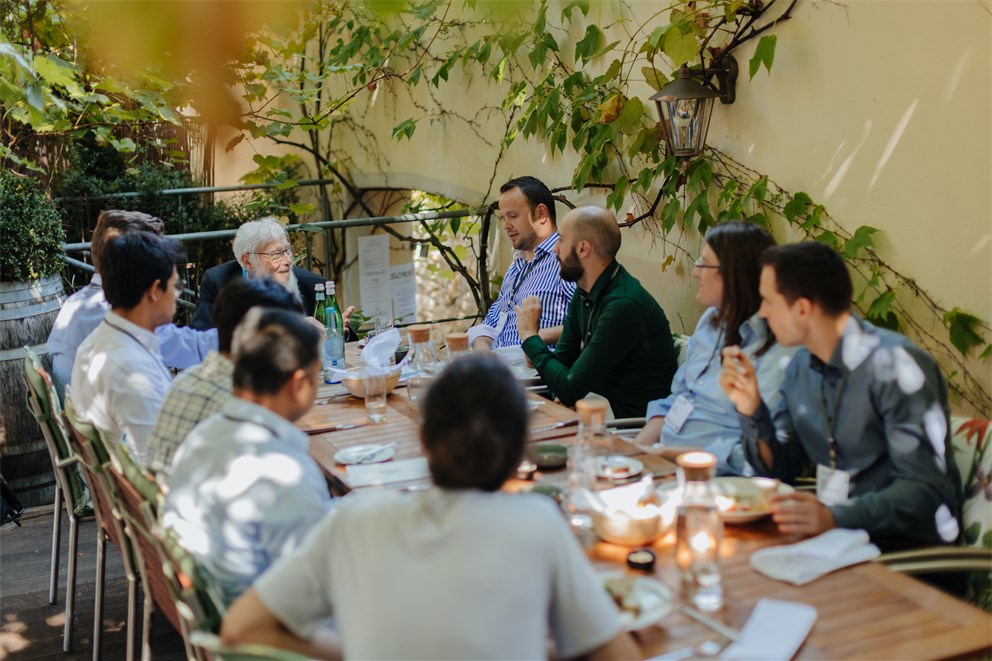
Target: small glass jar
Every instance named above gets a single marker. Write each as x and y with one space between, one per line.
457 344
699 532
423 361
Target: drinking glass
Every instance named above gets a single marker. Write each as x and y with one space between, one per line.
375 397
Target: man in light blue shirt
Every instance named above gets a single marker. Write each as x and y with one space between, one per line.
84 310
243 490
528 211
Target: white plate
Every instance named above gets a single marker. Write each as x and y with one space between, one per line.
729 490
654 599
365 454
619 467
524 373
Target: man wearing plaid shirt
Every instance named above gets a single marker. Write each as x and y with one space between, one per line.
528 211
201 391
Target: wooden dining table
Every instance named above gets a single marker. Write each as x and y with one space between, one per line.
865 611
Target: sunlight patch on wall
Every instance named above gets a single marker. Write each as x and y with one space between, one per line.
955 78
893 141
846 165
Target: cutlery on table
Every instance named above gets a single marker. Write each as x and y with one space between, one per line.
372 452
727 632
330 428
557 425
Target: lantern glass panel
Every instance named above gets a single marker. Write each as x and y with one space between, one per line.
685 123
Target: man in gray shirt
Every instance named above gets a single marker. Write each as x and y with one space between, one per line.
864 405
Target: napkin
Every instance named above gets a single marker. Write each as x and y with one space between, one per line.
774 631
810 559
379 350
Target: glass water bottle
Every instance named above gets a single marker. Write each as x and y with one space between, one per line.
699 532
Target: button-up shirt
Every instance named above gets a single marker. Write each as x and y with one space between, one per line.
119 382
712 424
884 401
616 342
243 491
540 277
195 395
82 313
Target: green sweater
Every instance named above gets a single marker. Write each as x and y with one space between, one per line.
616 342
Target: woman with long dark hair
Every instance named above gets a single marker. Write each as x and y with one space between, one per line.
698 415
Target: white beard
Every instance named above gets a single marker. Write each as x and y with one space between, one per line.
292 285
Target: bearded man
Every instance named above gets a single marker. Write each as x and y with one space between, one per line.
616 341
261 249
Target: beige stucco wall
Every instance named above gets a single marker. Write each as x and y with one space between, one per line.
881 110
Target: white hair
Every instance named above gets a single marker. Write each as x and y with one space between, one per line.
256 233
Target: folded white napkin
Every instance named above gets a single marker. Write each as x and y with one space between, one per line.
775 630
379 350
810 559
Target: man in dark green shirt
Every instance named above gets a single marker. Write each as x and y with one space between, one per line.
616 341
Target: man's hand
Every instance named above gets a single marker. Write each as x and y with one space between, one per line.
528 317
738 380
650 433
483 344
346 315
801 513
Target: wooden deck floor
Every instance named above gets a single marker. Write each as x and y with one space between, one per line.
31 628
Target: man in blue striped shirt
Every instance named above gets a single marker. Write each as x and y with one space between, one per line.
528 211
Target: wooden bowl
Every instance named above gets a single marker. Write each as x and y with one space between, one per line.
356 386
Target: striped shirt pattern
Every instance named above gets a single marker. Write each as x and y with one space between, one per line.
540 279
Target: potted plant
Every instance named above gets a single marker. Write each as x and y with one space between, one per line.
30 297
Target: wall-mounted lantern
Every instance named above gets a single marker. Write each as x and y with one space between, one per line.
685 106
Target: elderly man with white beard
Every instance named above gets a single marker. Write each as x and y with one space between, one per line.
261 248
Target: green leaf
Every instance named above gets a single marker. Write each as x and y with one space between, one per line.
857 243
961 326
881 305
405 129
971 533
758 190
654 78
54 70
828 238
615 199
303 209
629 120
582 5
796 206
985 355
455 224
764 53
680 48
670 214
589 44
987 539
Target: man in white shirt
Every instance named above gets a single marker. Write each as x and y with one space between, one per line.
201 391
243 490
459 571
528 211
119 379
84 310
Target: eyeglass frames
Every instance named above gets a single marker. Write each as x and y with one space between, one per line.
700 264
276 255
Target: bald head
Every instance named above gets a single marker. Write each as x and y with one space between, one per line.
596 225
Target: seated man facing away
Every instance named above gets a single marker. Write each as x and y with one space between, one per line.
243 490
261 250
528 211
459 571
118 379
84 310
863 404
616 341
201 391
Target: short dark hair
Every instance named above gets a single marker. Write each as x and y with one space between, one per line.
112 223
241 295
269 346
811 270
474 424
599 227
133 262
536 193
739 246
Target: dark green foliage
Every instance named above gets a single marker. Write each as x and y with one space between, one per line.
30 230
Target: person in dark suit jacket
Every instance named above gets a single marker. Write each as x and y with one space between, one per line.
262 249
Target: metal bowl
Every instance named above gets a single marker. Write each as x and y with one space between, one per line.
356 386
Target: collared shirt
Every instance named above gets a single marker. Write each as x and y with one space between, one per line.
243 492
119 382
887 403
195 395
538 277
405 575
82 313
616 342
713 424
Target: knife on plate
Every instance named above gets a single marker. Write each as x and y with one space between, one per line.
557 425
330 428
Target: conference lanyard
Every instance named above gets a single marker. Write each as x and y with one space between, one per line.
519 280
832 420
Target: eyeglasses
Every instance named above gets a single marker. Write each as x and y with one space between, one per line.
179 285
276 255
700 264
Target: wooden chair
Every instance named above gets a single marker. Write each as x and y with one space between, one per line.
70 489
86 444
211 645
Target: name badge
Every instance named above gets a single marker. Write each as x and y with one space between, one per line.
833 485
501 322
678 414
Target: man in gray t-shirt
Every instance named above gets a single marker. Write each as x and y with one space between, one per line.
863 405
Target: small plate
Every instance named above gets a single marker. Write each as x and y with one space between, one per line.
617 467
653 601
369 453
740 499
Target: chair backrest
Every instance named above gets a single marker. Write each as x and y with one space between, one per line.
211 644
43 403
197 599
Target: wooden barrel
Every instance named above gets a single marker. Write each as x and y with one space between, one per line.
27 312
